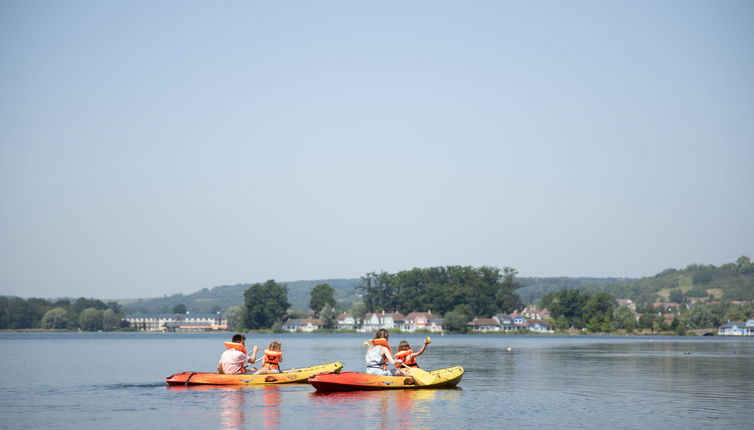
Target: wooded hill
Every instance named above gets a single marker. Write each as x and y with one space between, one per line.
732 281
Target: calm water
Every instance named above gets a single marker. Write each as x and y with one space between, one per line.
116 380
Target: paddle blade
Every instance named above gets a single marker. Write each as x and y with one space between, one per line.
422 377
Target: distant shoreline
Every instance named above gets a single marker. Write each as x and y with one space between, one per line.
690 333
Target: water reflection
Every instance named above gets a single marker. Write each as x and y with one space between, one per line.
232 408
271 407
389 409
241 407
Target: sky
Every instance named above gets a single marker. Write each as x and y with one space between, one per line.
152 148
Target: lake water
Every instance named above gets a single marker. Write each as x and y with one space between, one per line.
117 381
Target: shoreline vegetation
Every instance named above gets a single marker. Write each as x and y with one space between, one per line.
690 333
691 301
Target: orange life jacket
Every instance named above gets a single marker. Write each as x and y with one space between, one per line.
236 346
272 359
407 358
382 342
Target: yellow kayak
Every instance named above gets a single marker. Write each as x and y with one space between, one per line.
285 377
355 381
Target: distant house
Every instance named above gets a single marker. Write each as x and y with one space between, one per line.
435 325
177 322
532 312
666 306
627 303
505 321
423 321
737 328
346 322
307 325
374 321
484 324
538 326
518 321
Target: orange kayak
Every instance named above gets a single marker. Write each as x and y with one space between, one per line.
285 377
356 381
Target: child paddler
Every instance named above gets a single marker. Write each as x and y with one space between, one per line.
379 354
235 357
407 355
273 356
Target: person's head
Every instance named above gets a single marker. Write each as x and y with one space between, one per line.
382 334
275 346
403 346
239 338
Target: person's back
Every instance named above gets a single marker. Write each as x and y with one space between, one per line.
379 353
375 360
233 360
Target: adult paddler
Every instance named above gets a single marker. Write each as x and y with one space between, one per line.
235 357
379 354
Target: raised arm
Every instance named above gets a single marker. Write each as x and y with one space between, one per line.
421 350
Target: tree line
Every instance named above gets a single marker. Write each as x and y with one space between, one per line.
84 314
575 309
482 291
456 292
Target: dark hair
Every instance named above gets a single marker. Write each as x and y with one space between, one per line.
238 337
381 334
403 344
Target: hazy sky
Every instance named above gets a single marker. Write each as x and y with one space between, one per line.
151 148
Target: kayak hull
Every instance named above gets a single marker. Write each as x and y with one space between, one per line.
290 376
356 381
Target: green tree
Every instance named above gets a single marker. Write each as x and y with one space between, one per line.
676 296
234 316
110 320
321 295
455 321
265 304
598 312
90 319
180 309
623 318
646 321
277 327
328 316
566 303
55 318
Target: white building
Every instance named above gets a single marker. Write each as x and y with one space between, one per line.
177 322
737 328
307 325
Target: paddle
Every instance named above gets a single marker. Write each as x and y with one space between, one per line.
255 361
421 376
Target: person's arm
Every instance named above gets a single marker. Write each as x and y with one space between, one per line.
220 367
395 362
253 356
421 350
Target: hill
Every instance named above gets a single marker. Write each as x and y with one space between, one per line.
222 297
732 281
